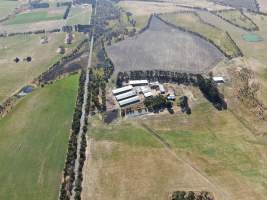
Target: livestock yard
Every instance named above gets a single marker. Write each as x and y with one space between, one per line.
175 107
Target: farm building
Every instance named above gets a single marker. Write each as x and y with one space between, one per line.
126 95
122 90
138 82
218 79
129 101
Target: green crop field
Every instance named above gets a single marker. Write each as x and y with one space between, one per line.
6 7
34 139
79 15
38 15
192 22
14 75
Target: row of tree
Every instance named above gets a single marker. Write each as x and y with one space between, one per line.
69 173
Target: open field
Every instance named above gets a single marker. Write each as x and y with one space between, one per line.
209 150
249 4
7 7
14 75
162 47
262 5
192 22
36 26
255 50
34 140
79 15
198 3
237 18
38 15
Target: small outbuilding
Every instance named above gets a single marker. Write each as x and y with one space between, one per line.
218 79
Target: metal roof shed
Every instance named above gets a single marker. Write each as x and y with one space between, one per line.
138 82
125 95
129 101
122 89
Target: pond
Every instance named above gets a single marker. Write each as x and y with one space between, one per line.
251 37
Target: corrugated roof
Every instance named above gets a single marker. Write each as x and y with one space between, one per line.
129 100
125 95
218 79
148 94
122 89
138 82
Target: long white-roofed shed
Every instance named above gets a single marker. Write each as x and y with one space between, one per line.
138 82
126 95
122 90
129 101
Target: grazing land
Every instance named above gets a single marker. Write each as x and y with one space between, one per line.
38 15
249 4
79 15
7 7
163 47
34 139
262 5
209 150
192 22
238 18
14 75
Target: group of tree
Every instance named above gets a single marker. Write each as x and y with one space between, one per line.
183 103
190 195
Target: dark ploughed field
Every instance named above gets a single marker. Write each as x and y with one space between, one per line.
166 48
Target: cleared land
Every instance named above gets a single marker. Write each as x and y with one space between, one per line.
37 15
79 15
34 140
210 150
249 4
7 7
14 75
262 5
192 22
162 47
238 18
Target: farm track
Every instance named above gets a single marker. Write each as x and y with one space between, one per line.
171 151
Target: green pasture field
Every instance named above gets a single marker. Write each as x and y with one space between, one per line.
238 18
14 75
79 15
38 15
192 22
34 139
6 7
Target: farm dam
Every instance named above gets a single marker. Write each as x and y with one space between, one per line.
164 47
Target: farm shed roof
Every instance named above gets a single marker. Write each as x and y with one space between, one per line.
122 89
145 89
125 95
138 82
161 88
218 79
129 101
148 94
